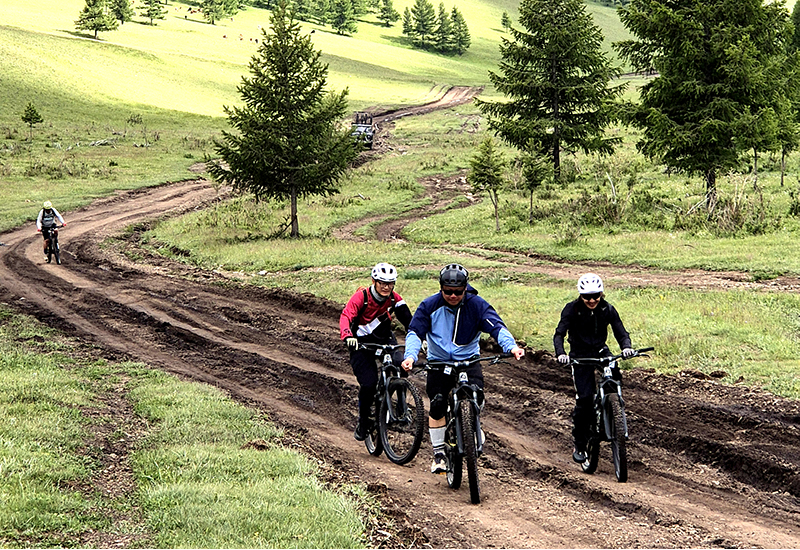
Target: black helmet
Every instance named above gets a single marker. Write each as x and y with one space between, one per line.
453 275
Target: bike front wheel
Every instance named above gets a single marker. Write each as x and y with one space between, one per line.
618 449
401 421
57 253
373 440
470 449
589 466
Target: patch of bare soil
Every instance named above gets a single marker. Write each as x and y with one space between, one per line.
711 465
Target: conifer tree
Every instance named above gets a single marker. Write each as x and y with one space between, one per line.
556 78
96 17
31 117
152 10
122 10
424 17
408 23
505 21
486 175
461 37
343 19
443 36
387 13
288 141
715 95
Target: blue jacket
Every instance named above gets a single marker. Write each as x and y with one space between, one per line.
453 333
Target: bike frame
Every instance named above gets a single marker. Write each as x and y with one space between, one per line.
389 371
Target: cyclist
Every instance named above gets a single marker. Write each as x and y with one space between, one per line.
367 318
451 321
584 322
47 220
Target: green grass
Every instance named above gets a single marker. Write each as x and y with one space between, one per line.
196 486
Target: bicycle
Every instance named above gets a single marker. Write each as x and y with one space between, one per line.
399 410
51 234
610 422
463 434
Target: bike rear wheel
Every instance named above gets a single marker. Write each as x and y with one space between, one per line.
401 421
470 450
618 449
454 459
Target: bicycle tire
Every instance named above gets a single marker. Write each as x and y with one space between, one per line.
401 421
589 466
619 452
470 450
454 459
57 252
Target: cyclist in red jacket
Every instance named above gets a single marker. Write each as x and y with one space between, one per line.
367 318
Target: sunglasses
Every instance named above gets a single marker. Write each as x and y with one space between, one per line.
453 292
595 296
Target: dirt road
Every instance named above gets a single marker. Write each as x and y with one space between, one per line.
710 465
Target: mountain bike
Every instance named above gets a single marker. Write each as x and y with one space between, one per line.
399 411
51 234
463 434
610 422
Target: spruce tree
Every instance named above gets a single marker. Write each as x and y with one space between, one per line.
31 117
214 10
387 13
152 10
122 10
556 78
424 17
95 17
288 141
343 19
408 23
717 64
461 37
444 30
486 175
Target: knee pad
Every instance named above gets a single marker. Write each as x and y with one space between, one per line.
438 407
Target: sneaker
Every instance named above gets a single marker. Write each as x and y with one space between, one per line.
579 456
361 431
439 465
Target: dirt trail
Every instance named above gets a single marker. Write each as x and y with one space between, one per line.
710 465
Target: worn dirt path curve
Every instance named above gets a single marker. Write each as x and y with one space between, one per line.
710 465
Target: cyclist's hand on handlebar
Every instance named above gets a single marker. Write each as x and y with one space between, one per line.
407 364
352 343
563 358
628 352
517 352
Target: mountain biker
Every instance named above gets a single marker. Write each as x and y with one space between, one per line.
585 323
47 220
367 318
451 321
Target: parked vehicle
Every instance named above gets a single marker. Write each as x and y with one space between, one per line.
363 129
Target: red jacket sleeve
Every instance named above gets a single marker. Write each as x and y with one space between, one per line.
349 314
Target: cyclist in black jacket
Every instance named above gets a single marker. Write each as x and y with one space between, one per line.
584 322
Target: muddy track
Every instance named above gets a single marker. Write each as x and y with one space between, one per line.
710 465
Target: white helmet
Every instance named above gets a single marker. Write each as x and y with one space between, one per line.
384 272
590 283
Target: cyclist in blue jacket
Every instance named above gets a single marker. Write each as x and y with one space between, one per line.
584 322
451 321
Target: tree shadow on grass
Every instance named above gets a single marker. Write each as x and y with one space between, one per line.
79 34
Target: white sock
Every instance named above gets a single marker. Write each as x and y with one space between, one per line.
437 438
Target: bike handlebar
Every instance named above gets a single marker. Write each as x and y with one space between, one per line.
440 365
603 360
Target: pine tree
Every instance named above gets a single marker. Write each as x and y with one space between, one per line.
288 142
712 98
443 36
556 78
505 21
424 18
343 20
95 17
321 11
153 10
214 10
387 13
31 117
122 10
487 174
461 37
408 23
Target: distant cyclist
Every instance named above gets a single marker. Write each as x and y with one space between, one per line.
452 321
47 221
367 318
584 322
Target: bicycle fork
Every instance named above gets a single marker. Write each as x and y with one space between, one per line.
608 420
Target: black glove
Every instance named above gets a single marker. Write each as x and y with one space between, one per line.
352 343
